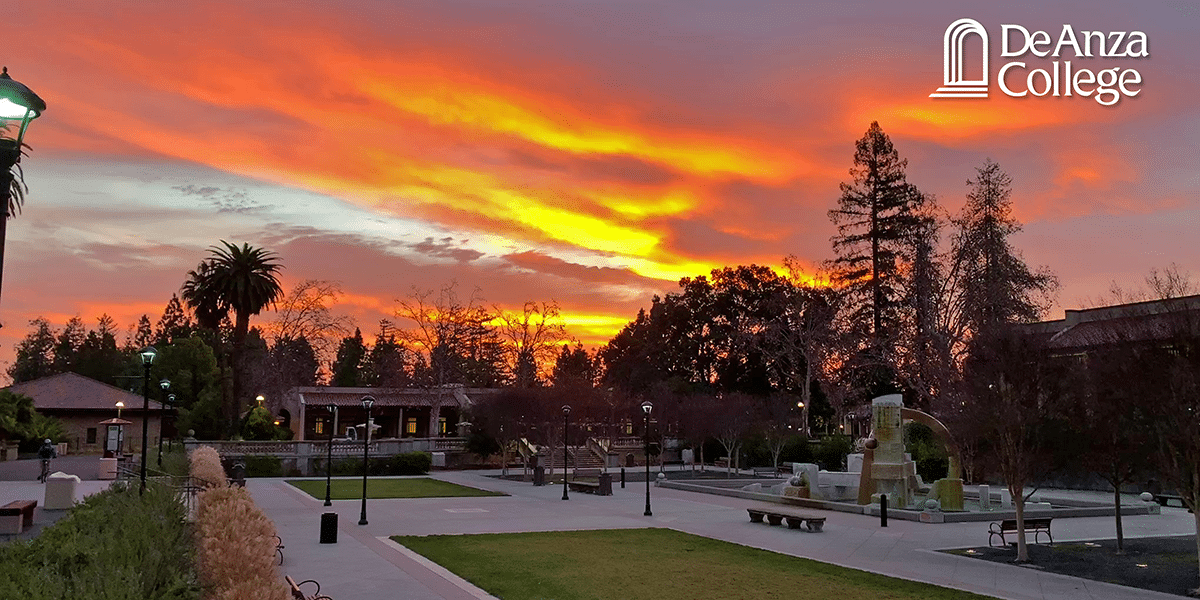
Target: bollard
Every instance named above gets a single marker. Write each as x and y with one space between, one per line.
883 510
622 477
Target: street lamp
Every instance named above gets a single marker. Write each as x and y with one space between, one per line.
165 384
120 405
148 356
646 408
18 105
566 415
367 402
329 456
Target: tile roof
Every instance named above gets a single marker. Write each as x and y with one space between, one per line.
352 396
71 391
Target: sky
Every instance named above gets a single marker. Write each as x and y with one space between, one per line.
582 152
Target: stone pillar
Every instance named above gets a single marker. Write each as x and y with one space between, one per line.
985 497
888 468
400 422
434 412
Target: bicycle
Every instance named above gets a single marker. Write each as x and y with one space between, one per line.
45 471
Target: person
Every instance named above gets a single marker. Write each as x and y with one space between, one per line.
46 452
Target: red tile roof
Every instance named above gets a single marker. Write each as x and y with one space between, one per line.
71 391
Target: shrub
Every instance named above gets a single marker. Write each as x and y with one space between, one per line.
832 451
411 463
263 466
206 466
115 544
235 547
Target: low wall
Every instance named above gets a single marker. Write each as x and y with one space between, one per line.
299 456
1071 508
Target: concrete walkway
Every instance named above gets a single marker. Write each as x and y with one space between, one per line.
363 565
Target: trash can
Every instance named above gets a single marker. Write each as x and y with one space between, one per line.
329 528
108 469
605 488
539 475
60 491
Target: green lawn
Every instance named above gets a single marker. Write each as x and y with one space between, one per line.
651 564
423 487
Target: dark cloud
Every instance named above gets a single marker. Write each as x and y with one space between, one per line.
445 248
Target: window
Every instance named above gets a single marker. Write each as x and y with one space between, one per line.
319 427
91 435
410 426
441 425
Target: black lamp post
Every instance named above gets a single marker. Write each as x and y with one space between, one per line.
165 384
566 415
18 104
329 456
646 408
148 356
367 402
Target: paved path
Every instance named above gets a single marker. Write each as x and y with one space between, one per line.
364 566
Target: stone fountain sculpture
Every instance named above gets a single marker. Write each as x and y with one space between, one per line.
886 469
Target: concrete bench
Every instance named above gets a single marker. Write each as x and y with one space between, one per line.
297 594
794 519
1168 499
17 516
583 486
1036 526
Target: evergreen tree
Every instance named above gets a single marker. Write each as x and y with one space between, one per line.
998 287
68 343
35 353
98 357
877 217
574 368
386 364
348 366
174 324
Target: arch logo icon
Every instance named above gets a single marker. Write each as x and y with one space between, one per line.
954 84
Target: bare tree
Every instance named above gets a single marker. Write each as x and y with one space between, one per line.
456 335
532 337
1018 391
305 312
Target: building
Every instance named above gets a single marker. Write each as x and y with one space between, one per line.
1150 322
396 413
81 403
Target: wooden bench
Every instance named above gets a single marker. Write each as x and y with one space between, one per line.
17 516
794 520
1035 526
279 548
765 472
297 594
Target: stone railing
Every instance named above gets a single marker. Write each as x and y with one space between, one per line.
383 447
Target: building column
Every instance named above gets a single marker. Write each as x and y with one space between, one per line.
434 412
400 422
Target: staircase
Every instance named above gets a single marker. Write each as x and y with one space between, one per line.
578 457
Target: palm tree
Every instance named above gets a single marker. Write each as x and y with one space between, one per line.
243 280
12 189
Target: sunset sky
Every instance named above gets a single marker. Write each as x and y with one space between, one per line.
590 153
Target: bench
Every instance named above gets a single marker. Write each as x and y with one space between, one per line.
17 516
583 486
279 548
587 472
1166 499
765 471
1036 526
297 594
794 520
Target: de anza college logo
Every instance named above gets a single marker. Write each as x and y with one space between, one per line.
1052 77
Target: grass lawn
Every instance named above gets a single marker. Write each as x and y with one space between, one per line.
423 487
1165 564
651 564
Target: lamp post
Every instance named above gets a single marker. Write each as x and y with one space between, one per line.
120 405
148 356
165 384
18 104
367 402
646 408
329 456
566 415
